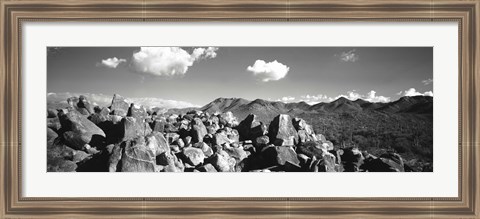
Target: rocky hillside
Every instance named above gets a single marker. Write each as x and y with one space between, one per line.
129 138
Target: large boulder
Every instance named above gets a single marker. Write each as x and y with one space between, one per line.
281 131
80 131
198 130
193 156
133 127
119 106
170 162
54 123
222 162
137 157
250 128
59 157
279 155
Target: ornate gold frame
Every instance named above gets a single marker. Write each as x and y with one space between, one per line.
14 12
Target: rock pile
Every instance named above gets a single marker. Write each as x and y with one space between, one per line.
129 138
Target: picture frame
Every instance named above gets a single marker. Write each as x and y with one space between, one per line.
15 13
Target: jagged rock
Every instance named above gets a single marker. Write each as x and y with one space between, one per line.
220 138
222 162
180 143
158 125
80 131
54 123
51 113
198 130
207 168
311 149
207 150
137 157
84 104
250 128
162 143
352 159
119 106
238 153
187 140
278 155
51 135
193 156
170 128
79 156
227 119
281 131
172 137
138 112
325 163
170 162
134 127
59 157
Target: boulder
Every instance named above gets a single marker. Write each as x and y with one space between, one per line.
84 104
137 112
311 149
51 135
54 123
133 127
80 131
60 157
137 157
207 150
220 138
281 131
207 168
193 156
222 162
51 113
172 137
162 143
158 125
250 128
278 155
119 106
170 162
198 130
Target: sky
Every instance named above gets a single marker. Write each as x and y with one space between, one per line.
195 76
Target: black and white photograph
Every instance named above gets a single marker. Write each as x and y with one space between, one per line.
239 109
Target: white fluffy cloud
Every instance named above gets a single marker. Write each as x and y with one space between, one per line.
112 62
427 81
351 95
168 61
413 92
287 99
349 56
271 71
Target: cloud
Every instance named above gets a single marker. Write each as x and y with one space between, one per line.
351 95
271 71
349 56
111 62
427 81
287 99
104 100
413 92
168 61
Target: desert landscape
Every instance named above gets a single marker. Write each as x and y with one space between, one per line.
235 135
239 109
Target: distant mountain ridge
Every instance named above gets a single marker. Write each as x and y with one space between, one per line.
264 108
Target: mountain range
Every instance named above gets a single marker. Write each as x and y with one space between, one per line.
263 108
